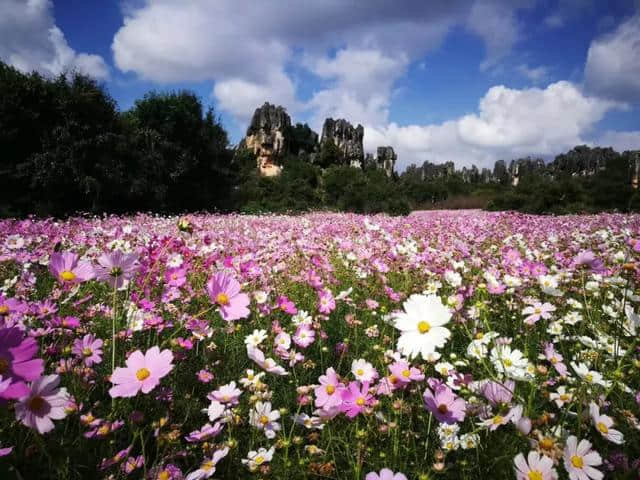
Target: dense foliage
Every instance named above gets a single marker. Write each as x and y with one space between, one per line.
441 345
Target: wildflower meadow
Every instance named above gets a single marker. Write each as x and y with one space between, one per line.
441 345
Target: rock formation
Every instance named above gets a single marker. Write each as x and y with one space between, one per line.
347 138
386 159
266 137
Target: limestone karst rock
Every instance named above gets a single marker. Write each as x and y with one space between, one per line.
266 137
347 138
386 159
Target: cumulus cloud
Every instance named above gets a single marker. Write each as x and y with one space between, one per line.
246 47
30 40
613 63
620 141
509 123
534 74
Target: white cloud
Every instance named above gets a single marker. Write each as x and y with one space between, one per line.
509 123
30 40
535 74
620 141
613 63
244 46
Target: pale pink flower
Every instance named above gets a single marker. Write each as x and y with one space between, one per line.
143 372
44 402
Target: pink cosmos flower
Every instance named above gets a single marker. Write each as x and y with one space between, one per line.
402 373
88 349
44 402
5 451
143 372
329 393
588 259
304 336
385 474
444 404
537 311
208 466
580 460
604 424
355 398
539 467
286 305
228 393
498 393
555 359
68 270
326 302
224 291
207 431
176 277
17 363
116 267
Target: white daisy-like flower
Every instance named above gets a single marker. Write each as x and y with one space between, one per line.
255 338
510 362
422 326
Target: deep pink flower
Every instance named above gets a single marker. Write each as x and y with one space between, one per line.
224 291
175 277
143 372
286 305
17 363
44 402
444 404
355 398
116 267
68 270
88 349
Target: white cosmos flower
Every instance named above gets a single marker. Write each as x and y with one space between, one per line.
510 362
421 324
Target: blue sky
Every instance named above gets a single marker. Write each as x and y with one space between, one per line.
470 81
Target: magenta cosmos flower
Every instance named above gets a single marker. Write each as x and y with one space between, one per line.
68 270
44 402
224 290
88 349
355 398
444 404
17 363
115 268
385 474
143 372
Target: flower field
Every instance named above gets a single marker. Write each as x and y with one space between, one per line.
444 345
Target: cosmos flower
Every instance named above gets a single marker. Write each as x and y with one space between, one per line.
535 467
421 325
44 402
444 404
224 291
604 424
286 305
385 474
264 418
363 371
228 394
355 398
403 373
329 392
208 467
537 311
68 270
142 373
257 458
88 349
326 302
116 268
580 460
17 363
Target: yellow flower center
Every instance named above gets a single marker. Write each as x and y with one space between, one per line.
164 475
360 401
406 373
103 430
588 377
577 461
4 309
67 275
87 352
602 427
4 366
251 376
222 299
359 372
497 420
507 362
393 379
36 404
264 419
143 374
259 460
207 466
554 360
564 397
546 443
330 389
535 475
424 327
